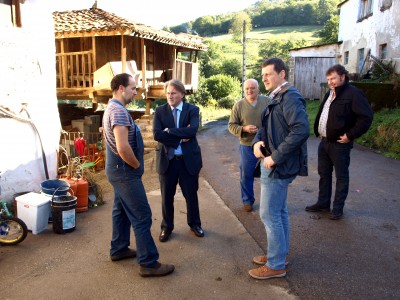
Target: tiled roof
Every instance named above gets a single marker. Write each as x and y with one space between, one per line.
97 21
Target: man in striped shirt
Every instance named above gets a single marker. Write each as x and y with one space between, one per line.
124 170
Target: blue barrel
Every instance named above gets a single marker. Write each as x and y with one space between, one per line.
55 187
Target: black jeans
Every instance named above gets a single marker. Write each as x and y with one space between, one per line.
333 155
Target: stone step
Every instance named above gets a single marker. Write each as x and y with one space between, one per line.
150 143
147 135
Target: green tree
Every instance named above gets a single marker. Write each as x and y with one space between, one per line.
203 25
237 26
278 48
232 67
326 8
210 61
329 34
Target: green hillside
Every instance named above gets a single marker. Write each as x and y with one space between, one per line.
259 35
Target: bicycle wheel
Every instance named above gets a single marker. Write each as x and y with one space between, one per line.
12 230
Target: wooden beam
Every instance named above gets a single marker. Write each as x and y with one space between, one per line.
94 62
63 66
123 53
16 13
174 62
143 62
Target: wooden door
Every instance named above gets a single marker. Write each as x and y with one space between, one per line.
309 73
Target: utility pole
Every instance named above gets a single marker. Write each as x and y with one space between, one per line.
244 57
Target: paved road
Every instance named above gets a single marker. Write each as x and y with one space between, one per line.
354 258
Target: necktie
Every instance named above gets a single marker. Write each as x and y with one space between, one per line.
171 151
175 113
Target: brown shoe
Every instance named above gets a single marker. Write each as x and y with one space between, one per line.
262 260
158 270
266 273
248 207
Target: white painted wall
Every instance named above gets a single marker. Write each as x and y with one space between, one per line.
330 50
28 75
383 27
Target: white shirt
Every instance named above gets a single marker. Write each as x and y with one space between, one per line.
178 151
324 115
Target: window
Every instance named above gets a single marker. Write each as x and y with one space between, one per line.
383 51
360 59
365 9
385 4
346 58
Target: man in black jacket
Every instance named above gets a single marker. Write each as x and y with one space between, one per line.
343 116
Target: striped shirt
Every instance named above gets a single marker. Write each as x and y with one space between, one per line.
117 115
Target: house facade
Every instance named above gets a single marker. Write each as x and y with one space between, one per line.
28 154
366 28
369 26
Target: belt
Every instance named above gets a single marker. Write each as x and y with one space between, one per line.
324 138
178 157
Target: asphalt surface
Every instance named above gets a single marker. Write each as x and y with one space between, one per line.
354 258
357 257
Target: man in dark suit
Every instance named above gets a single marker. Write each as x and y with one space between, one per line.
178 157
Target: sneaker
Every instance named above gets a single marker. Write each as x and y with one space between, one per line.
266 273
128 253
158 270
317 208
262 260
248 207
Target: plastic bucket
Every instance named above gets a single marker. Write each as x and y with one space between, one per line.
63 209
55 187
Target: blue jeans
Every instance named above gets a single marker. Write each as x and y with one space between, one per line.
274 214
247 165
333 155
131 208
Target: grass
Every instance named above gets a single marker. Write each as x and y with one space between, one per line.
210 113
383 136
259 35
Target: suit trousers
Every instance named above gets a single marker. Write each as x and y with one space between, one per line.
189 184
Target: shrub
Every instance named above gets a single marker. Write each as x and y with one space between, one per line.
227 102
201 96
221 86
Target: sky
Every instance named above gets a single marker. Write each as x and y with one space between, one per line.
158 13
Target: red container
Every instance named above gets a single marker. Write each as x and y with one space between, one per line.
82 195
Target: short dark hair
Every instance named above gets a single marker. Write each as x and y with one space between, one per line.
176 84
278 64
120 79
340 70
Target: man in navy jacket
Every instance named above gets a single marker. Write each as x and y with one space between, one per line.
343 116
282 144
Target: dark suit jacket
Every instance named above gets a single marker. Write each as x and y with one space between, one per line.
191 150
